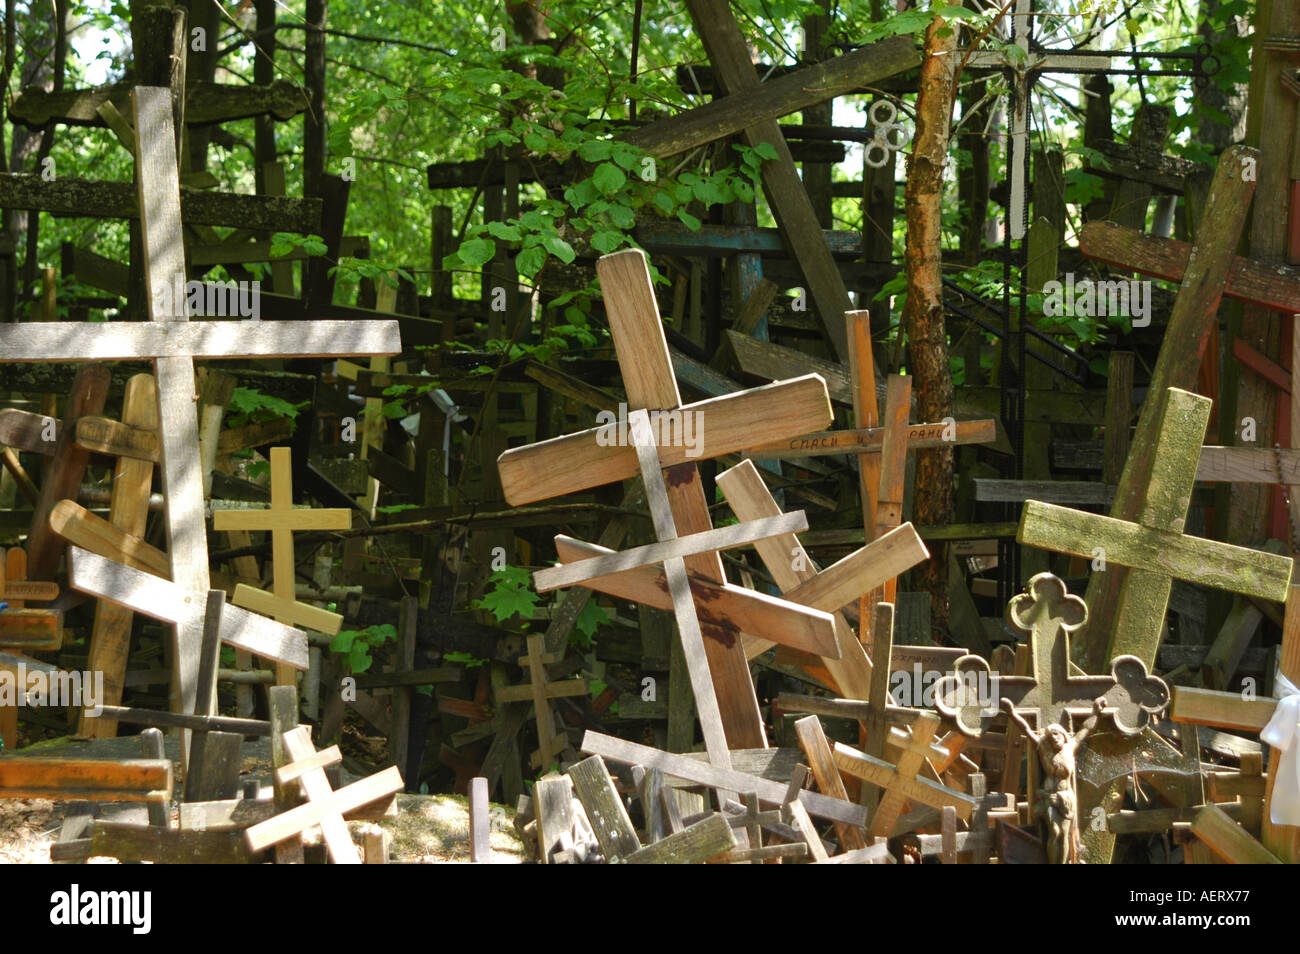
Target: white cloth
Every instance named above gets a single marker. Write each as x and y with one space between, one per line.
1283 734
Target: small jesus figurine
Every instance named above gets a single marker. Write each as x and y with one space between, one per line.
1058 795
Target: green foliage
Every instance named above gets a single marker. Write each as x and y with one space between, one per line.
467 660
509 593
358 644
591 618
250 406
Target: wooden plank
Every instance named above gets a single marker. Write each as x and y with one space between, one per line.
861 571
81 528
729 55
480 822
1074 493
708 700
774 98
1223 710
1249 465
1195 559
1228 840
28 431
130 843
554 690
553 806
726 605
773 362
103 435
33 630
816 748
129 780
118 200
609 819
128 511
64 475
879 772
702 841
181 720
722 538
164 600
291 612
1268 284
868 440
704 773
731 423
300 767
132 341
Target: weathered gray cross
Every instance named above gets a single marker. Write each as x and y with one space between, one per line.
1023 68
172 343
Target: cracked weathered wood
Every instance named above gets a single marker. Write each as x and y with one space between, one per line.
205 103
1179 362
117 200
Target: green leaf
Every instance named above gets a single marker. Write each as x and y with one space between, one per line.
477 251
342 643
690 221
595 150
505 232
530 260
606 241
559 248
608 178
593 615
359 659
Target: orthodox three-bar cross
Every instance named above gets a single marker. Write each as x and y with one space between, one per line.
688 546
173 343
1023 68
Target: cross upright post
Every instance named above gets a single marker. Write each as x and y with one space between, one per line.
172 343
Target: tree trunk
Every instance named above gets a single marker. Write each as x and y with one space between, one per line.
923 318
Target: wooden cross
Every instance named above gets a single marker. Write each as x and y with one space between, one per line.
1178 365
282 519
324 806
718 668
172 343
1154 545
540 691
1022 73
977 841
20 627
900 783
1050 693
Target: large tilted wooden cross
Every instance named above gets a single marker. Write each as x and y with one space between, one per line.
724 691
1154 545
173 343
1050 694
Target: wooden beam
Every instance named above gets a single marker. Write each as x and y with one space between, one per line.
130 780
731 423
775 98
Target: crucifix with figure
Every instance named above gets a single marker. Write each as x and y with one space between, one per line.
173 343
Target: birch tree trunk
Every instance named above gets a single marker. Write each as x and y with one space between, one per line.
923 319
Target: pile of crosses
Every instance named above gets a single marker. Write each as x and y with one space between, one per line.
1038 754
